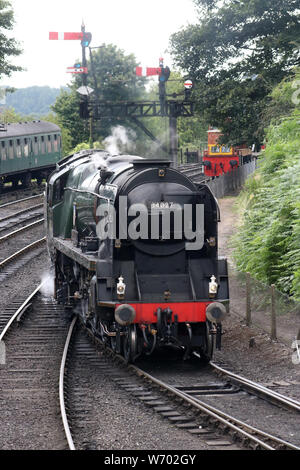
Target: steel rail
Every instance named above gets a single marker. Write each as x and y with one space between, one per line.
20 230
63 362
284 400
61 387
20 309
219 415
7 204
23 211
21 252
245 425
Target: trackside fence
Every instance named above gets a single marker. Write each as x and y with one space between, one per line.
264 306
230 182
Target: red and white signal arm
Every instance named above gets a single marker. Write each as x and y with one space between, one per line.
188 84
65 36
147 71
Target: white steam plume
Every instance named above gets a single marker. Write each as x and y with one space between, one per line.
120 141
48 284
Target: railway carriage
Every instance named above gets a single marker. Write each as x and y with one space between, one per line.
28 150
137 287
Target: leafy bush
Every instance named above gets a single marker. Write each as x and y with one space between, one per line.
268 244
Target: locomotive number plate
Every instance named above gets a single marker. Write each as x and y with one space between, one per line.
162 205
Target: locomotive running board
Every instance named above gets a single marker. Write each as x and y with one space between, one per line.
67 248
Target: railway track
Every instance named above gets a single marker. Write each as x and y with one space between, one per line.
190 406
234 427
16 232
21 216
18 201
13 195
193 171
19 258
19 239
256 438
258 389
29 394
13 222
185 405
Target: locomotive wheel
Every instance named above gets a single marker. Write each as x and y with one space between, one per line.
39 180
113 343
207 353
15 183
130 343
26 180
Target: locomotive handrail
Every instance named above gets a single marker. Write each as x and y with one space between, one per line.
89 192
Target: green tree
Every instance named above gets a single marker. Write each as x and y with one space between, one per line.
66 108
237 52
8 46
35 100
283 100
10 115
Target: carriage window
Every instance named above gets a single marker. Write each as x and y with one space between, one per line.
11 149
18 149
55 143
36 146
26 148
3 150
59 142
43 145
49 146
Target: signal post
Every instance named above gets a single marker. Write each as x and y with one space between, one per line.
95 109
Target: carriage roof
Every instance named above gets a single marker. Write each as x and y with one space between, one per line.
28 128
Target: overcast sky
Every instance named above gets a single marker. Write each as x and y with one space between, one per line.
141 27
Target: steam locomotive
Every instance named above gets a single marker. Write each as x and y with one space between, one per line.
135 248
